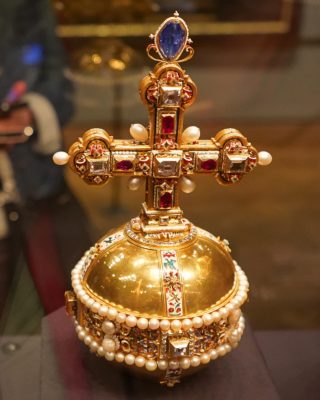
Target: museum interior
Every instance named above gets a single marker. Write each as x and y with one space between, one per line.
67 66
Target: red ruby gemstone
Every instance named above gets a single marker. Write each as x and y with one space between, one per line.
209 165
166 200
124 165
167 124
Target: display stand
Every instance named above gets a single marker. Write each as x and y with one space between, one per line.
70 371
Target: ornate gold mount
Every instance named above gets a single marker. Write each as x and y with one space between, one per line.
164 154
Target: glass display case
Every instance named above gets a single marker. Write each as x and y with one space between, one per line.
256 68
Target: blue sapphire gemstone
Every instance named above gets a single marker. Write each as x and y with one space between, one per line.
172 39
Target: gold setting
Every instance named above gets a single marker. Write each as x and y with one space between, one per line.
159 293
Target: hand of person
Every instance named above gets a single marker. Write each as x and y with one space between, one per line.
17 122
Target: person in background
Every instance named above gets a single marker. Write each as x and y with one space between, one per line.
31 54
36 102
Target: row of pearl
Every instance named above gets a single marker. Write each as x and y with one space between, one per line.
153 323
152 365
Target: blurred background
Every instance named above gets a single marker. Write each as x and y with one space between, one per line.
67 66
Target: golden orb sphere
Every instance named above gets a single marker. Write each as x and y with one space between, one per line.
164 308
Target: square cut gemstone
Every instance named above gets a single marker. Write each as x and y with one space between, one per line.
165 167
208 161
235 163
170 95
165 200
179 347
167 124
209 165
98 166
124 163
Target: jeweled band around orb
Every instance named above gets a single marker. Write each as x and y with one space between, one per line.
170 343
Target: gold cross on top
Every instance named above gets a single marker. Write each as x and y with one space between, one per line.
164 154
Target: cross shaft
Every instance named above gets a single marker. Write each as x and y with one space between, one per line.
164 153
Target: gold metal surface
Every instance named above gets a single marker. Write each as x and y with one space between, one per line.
129 276
158 288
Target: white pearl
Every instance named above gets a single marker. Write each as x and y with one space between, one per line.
108 345
213 354
223 312
162 364
85 298
77 287
81 335
134 182
190 134
131 321
165 325
264 158
142 323
129 359
151 365
215 316
233 338
187 184
95 307
207 319
221 350
154 323
195 361
78 328
173 364
185 363
186 324
108 327
176 325
119 357
89 303
94 346
205 358
101 351
139 132
103 311
121 318
197 322
87 340
227 347
109 356
112 313
140 361
60 158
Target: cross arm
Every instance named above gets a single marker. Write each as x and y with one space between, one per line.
97 156
229 156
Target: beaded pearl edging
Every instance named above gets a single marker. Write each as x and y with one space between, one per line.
154 323
152 364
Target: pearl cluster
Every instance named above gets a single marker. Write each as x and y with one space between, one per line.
109 348
154 323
